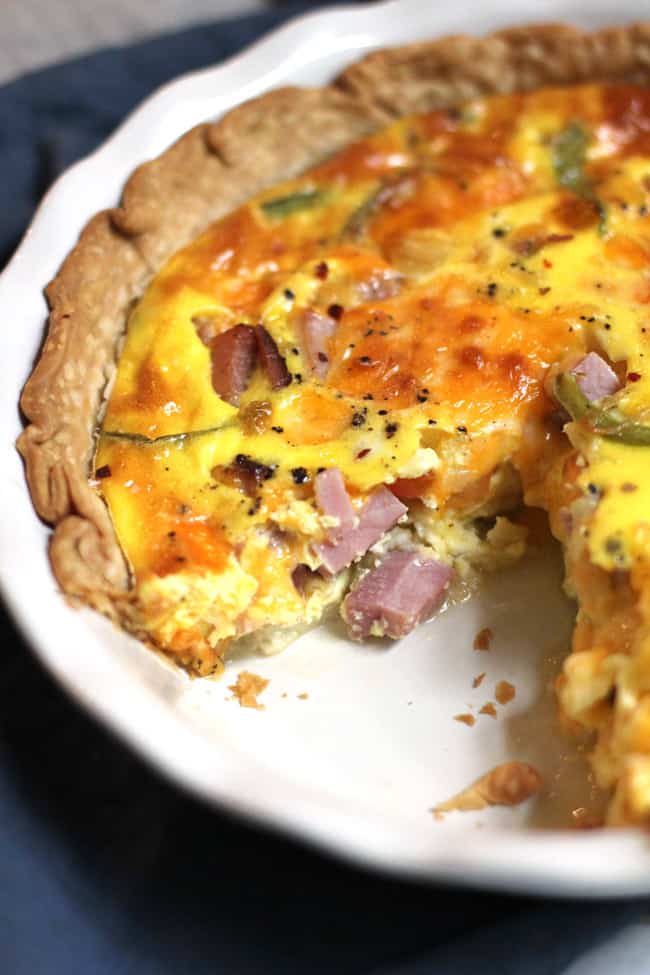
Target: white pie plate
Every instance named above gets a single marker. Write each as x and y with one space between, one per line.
355 767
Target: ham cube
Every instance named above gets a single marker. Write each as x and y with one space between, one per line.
272 362
393 598
381 511
595 377
233 359
316 331
334 501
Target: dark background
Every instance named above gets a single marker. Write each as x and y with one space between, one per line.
104 867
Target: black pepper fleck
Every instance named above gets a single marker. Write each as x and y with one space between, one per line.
255 507
299 475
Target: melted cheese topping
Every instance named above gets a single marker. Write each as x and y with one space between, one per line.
464 256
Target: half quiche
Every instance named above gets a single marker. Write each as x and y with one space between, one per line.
329 351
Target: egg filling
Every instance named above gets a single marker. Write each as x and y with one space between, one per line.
452 316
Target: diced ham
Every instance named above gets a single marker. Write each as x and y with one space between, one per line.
381 285
272 362
595 377
316 331
333 500
393 598
381 511
233 359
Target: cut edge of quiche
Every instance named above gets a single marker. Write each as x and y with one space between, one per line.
210 172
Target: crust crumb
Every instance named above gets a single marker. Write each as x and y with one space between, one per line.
247 688
489 708
483 639
303 696
478 680
505 785
504 691
467 719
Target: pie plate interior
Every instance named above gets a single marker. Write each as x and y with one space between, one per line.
356 743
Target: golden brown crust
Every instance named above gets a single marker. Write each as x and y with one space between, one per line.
210 170
434 74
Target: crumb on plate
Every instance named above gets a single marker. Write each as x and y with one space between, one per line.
467 719
247 688
483 639
505 785
489 708
504 691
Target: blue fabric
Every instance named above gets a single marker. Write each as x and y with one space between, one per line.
107 870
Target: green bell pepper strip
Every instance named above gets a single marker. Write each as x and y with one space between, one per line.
286 206
610 424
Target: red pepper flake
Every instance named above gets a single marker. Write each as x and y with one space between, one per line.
102 472
544 291
633 377
321 270
335 312
547 263
363 453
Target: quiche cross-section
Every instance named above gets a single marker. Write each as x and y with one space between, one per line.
342 396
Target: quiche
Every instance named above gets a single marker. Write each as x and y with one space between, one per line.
331 351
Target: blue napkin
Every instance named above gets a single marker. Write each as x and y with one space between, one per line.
107 870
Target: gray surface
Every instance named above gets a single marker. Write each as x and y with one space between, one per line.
34 33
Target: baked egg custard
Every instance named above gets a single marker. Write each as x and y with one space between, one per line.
340 397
